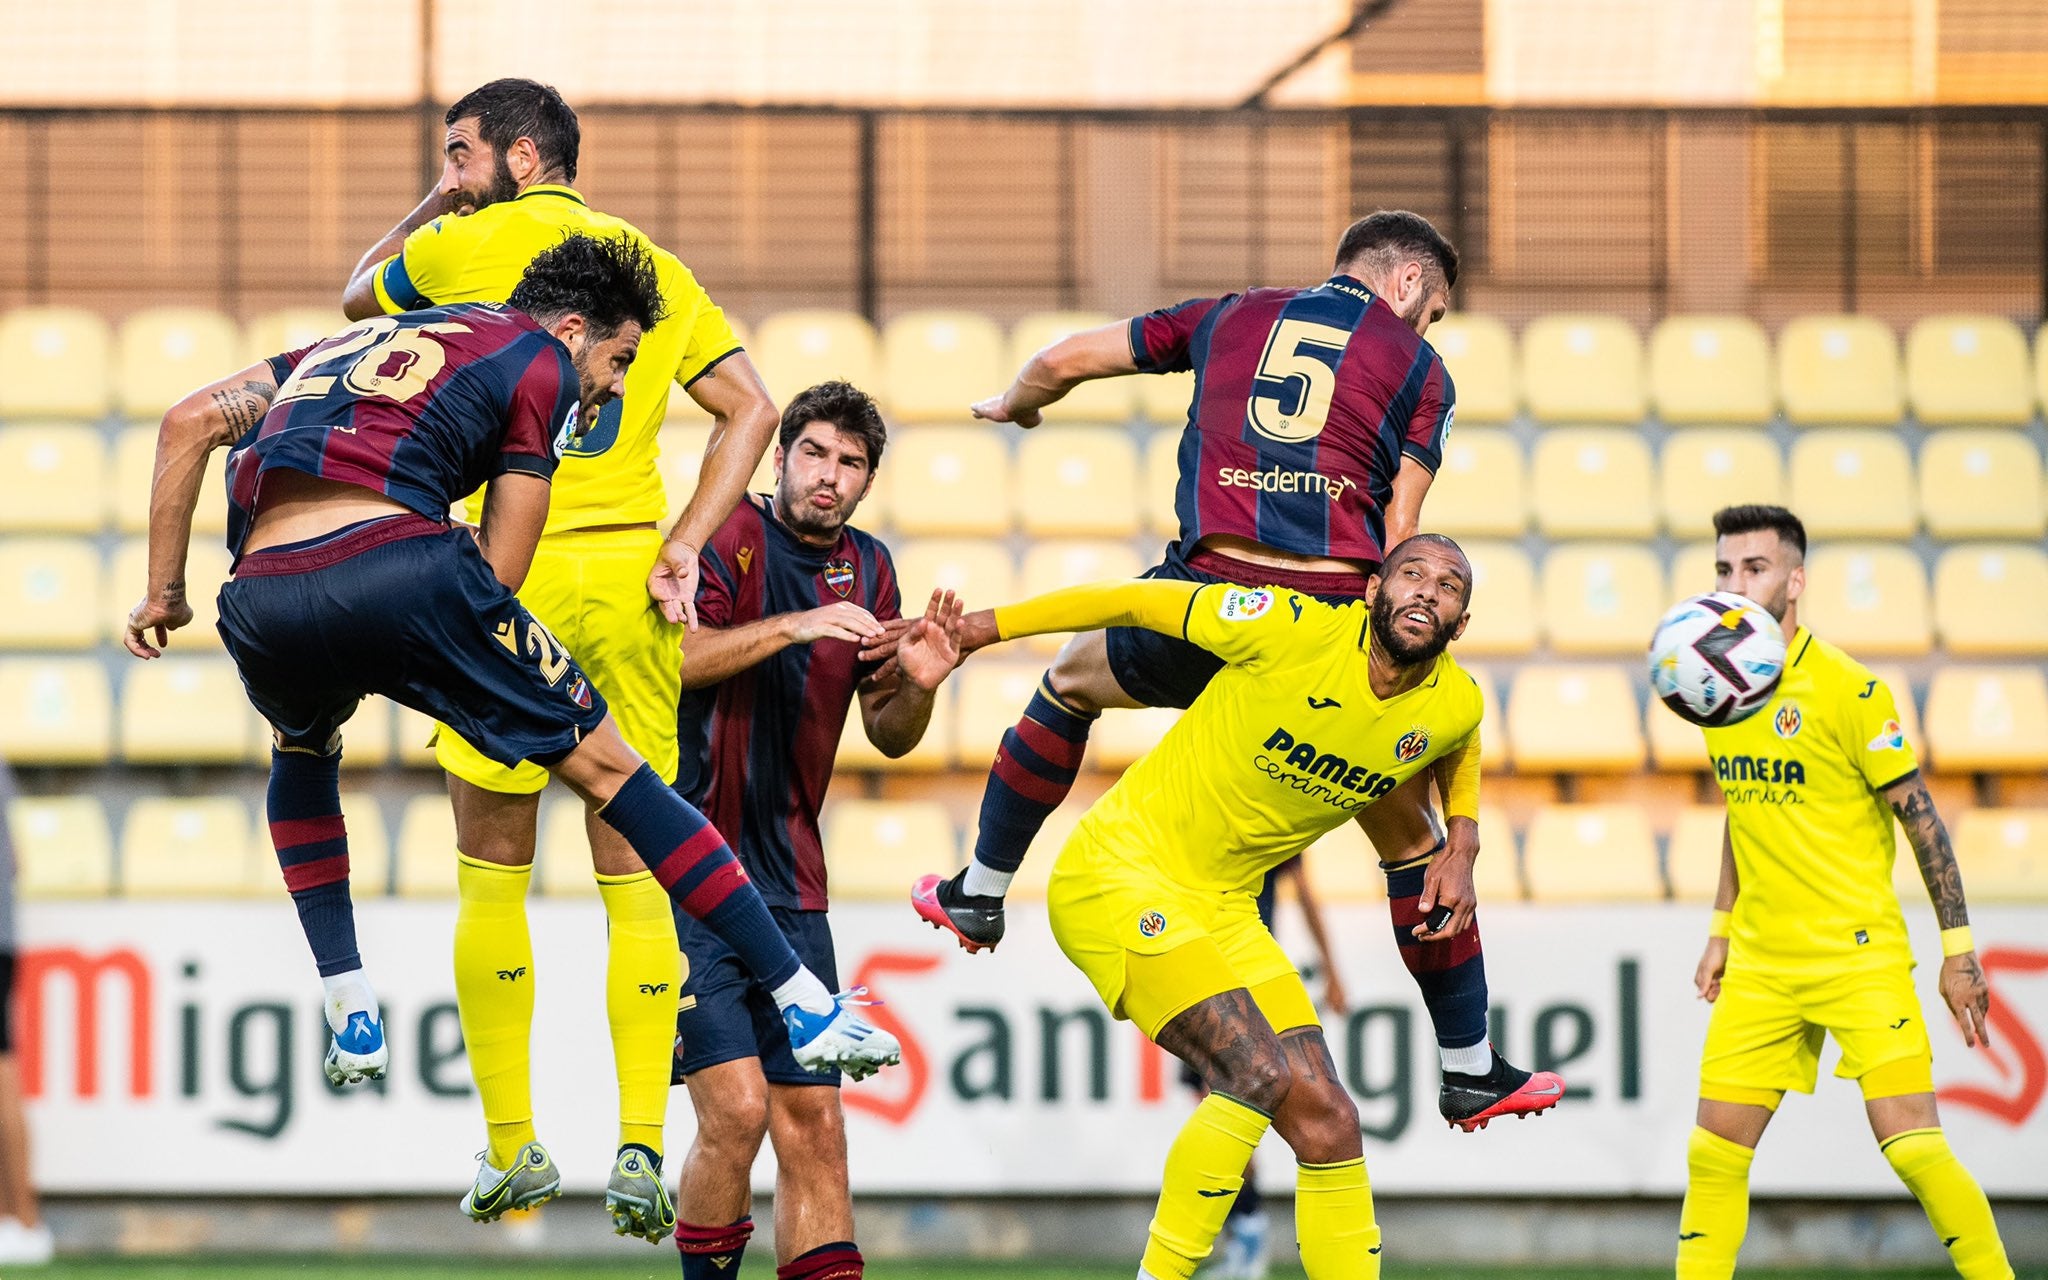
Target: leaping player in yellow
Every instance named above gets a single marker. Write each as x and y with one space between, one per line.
1807 940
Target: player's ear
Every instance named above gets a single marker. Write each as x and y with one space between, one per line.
1372 588
523 159
572 331
1795 582
1464 620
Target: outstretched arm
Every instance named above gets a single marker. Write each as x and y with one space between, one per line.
896 711
1962 978
743 421
1066 364
1153 604
359 299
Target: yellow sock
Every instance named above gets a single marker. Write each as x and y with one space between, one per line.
1716 1212
641 979
1955 1204
1204 1170
494 994
1333 1221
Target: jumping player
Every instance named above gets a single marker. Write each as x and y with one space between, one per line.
1807 940
789 593
348 581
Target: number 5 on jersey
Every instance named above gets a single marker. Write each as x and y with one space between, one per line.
1302 356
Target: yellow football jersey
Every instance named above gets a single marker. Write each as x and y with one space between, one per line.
1286 743
608 476
1812 836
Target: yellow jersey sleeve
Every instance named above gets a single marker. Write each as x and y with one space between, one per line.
707 335
420 273
1156 605
1245 626
1867 725
1460 767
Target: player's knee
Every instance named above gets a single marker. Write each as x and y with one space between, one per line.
1260 1079
1321 1122
736 1125
599 765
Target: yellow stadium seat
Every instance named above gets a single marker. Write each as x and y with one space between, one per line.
1497 876
206 570
1869 598
1676 746
949 480
135 464
1162 482
1583 368
275 332
1097 400
1988 719
414 743
50 593
1992 598
1692 571
561 863
365 739
54 363
165 353
1711 369
426 848
2004 854
1069 562
1574 718
875 848
1505 618
1982 484
682 458
55 711
1693 861
1854 484
196 847
1165 398
1479 353
796 350
980 570
62 846
937 363
1077 480
1705 470
1124 734
1591 853
933 752
1840 369
1342 866
993 695
1482 489
1593 482
1601 597
185 711
52 475
1970 369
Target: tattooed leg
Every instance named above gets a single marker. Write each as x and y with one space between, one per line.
1318 1118
1229 1043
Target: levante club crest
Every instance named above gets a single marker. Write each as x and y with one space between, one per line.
839 576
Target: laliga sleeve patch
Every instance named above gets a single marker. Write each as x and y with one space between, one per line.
1240 604
1889 738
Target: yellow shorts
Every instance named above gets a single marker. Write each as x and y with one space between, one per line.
1765 1032
1154 949
590 589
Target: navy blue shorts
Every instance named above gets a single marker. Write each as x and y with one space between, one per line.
727 1016
1166 671
408 609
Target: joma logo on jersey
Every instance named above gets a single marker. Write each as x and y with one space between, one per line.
1331 768
1759 769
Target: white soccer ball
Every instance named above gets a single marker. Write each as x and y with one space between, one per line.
1716 658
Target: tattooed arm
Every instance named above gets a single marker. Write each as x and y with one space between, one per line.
208 419
1962 979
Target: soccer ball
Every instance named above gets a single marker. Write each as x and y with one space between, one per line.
1716 658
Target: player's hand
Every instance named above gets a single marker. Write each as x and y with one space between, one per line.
977 630
882 648
159 614
931 648
994 409
1335 998
1706 980
842 621
1447 882
673 582
1968 996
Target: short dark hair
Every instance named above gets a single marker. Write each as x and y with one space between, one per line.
846 407
1408 546
607 281
1397 233
1753 517
510 109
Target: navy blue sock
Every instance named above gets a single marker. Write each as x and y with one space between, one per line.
713 1253
1451 973
692 862
1034 770
304 808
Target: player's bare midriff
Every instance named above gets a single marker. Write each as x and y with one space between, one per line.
1258 553
293 506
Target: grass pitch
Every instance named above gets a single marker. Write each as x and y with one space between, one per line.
354 1268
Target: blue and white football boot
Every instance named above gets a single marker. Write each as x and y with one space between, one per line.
842 1038
358 1052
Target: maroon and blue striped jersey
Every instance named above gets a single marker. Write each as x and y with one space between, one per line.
422 407
757 747
1305 402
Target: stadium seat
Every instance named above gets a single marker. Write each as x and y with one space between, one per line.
1869 598
1969 369
1077 480
1342 866
413 742
980 570
2004 854
682 457
1693 858
276 332
1098 400
1676 746
190 847
369 848
50 593
875 848
949 480
365 739
62 847
993 695
1574 718
206 570
1482 489
1069 562
1992 599
1840 369
1164 398
1124 734
1583 368
937 363
1705 470
796 350
52 476
1162 482
1497 876
1479 353
185 711
1692 571
1982 484
1591 853
54 363
1988 719
1711 369
55 711
135 466
164 353
1854 484
933 752
1505 619
1593 482
1601 598
561 863
426 849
